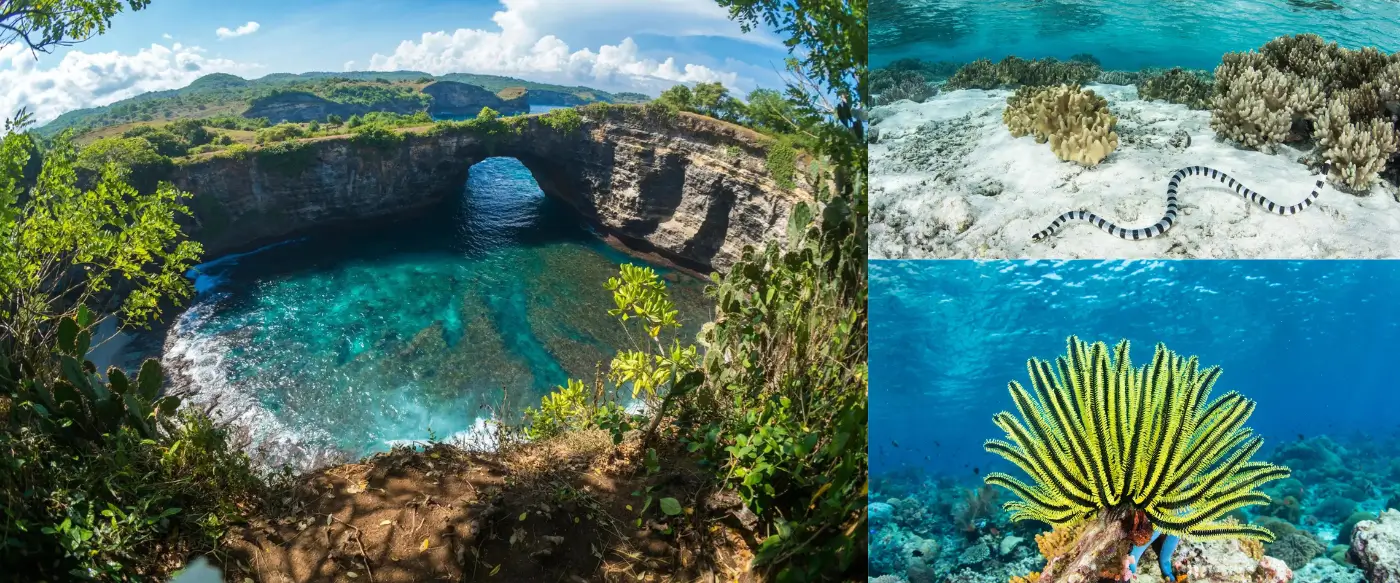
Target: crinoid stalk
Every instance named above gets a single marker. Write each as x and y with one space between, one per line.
1099 435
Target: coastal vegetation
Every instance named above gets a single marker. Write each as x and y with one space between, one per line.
105 477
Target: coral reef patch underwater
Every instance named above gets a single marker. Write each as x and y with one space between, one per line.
1238 450
973 154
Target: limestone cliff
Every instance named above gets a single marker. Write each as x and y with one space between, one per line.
691 188
452 99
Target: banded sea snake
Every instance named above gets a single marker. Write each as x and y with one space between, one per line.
1170 218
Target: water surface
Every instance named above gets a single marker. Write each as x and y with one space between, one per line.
350 341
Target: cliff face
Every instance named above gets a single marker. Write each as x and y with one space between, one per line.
693 189
462 100
302 107
543 97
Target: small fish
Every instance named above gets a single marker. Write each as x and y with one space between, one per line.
918 553
894 443
926 459
976 471
936 444
1300 437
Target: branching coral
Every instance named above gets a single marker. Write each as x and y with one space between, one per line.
1101 435
1358 149
1263 99
1177 86
1076 122
1255 104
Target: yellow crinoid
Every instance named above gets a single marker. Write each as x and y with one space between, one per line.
1098 434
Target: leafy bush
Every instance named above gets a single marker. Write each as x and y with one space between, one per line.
136 156
376 136
782 163
565 409
279 133
287 158
564 120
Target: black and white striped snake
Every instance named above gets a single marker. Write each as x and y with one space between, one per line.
1170 218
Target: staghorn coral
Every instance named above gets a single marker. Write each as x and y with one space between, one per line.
1256 105
1177 86
1098 454
1076 122
1388 87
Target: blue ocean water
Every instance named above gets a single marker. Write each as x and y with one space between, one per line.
1122 34
1312 342
352 340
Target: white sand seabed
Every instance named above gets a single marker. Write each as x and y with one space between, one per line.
949 181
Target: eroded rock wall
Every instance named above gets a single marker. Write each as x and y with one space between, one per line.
693 189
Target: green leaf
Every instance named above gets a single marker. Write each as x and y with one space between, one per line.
68 336
84 316
117 380
149 379
670 506
84 342
798 221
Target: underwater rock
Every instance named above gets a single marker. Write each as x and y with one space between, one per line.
1324 570
1227 561
954 213
1375 547
880 513
1349 526
1008 544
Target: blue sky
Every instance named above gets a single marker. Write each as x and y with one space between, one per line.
615 45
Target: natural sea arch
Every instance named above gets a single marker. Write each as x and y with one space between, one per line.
692 189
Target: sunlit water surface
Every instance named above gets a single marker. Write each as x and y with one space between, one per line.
346 343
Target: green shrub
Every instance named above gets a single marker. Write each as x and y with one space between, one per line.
279 133
782 163
137 156
169 485
660 110
376 136
565 409
235 152
564 121
287 158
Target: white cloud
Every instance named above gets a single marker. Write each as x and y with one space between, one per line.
349 65
167 36
244 30
82 80
523 45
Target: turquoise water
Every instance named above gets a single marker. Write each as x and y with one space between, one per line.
346 342
1311 342
533 110
1122 34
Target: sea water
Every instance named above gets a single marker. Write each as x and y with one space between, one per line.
1121 34
344 343
1311 342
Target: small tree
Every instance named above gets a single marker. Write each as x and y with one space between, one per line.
314 126
334 120
679 97
656 371
354 122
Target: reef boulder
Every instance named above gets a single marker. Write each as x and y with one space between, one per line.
1375 547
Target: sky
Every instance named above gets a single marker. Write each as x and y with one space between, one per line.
644 46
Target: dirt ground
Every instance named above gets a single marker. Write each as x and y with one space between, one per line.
572 509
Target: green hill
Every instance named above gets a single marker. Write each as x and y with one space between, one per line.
221 94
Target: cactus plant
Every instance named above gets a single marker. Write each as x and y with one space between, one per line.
80 403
